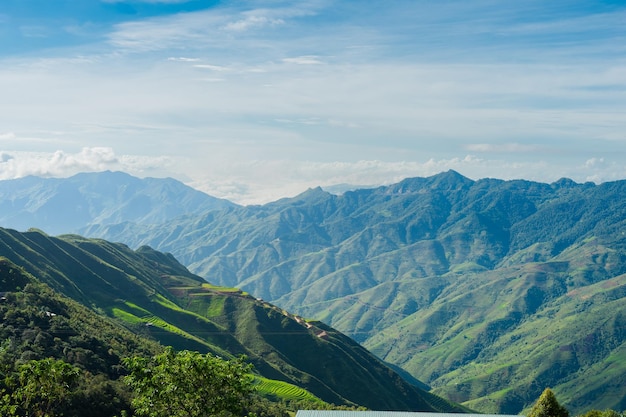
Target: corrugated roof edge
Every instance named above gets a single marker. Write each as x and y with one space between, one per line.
346 413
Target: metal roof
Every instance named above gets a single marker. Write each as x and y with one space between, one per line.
345 413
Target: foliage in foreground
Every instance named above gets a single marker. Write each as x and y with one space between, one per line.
548 406
188 384
40 388
51 387
169 384
603 413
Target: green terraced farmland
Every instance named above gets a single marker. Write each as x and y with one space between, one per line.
282 390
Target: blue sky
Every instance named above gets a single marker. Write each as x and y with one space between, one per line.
256 100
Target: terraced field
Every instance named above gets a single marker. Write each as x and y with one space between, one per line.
282 390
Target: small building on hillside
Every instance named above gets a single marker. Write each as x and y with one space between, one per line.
345 413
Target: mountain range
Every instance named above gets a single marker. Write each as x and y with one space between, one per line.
488 291
65 205
157 298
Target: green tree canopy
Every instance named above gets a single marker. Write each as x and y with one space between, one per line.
602 413
548 406
41 388
188 384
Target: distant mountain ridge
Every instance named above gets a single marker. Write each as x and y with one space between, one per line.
454 280
67 205
156 296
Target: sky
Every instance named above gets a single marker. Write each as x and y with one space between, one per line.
255 100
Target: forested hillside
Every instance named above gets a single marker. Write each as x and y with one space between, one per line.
39 324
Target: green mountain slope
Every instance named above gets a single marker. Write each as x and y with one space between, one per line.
498 342
435 257
156 296
38 323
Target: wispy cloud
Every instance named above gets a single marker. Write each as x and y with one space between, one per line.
7 135
304 60
266 97
601 23
209 28
503 147
164 33
34 31
217 68
183 59
252 22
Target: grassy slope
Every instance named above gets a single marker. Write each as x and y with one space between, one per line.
521 328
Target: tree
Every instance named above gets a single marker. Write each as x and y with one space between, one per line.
548 406
41 388
604 413
187 384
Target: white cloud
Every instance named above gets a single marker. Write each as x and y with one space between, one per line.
183 59
253 22
57 163
5 157
503 147
217 28
304 60
217 68
164 32
16 164
595 162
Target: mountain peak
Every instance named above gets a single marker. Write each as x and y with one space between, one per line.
107 173
444 181
450 178
309 196
315 191
564 183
